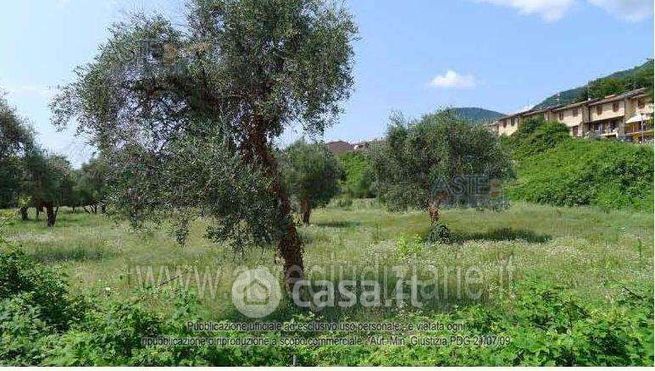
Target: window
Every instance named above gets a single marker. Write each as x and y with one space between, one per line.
641 103
561 116
599 110
575 113
574 130
504 123
513 121
615 107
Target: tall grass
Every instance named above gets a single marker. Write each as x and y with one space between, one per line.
589 250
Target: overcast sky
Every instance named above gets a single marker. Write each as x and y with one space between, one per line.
413 56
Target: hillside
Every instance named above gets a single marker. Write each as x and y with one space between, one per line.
617 82
477 115
555 169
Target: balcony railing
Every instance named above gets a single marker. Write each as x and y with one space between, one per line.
632 129
605 131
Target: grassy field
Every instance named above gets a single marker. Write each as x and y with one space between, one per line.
584 249
588 273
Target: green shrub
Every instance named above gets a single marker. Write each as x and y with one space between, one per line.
358 171
439 234
109 335
39 286
409 246
581 172
536 136
571 172
22 332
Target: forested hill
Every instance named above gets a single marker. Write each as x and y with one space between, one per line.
618 82
477 115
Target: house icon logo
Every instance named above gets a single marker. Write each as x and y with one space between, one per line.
256 293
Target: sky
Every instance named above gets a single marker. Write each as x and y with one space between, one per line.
412 56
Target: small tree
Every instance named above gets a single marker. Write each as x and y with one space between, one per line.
91 184
436 161
47 180
312 174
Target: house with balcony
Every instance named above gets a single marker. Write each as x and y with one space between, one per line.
627 116
639 126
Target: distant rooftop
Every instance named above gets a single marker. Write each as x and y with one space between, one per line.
610 98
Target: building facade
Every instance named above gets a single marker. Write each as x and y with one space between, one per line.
627 116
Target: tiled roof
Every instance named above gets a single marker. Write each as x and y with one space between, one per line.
339 147
613 98
594 102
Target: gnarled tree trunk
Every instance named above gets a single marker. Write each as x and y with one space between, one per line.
23 214
51 215
433 206
306 210
289 247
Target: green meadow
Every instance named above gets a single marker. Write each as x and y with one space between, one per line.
547 258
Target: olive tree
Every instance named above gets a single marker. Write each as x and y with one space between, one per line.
91 185
47 182
16 137
439 160
15 134
186 114
312 175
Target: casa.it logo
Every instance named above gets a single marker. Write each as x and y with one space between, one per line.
256 293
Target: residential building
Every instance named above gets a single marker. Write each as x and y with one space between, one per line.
627 116
338 147
507 125
574 116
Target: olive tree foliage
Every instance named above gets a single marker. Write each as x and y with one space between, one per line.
311 174
28 175
16 136
48 182
91 185
437 161
186 114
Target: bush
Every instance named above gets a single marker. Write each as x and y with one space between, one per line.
579 172
38 286
409 246
359 177
537 136
22 332
110 335
439 234
558 170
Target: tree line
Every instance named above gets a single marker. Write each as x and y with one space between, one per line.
186 125
30 177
